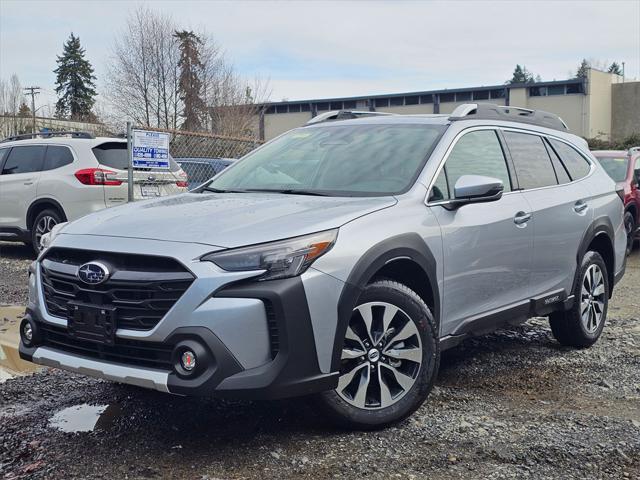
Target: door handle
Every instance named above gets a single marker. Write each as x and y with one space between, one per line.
580 206
28 183
522 218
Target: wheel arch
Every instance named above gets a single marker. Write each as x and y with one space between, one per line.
599 238
403 258
40 205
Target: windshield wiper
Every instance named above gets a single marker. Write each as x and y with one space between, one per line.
217 190
289 191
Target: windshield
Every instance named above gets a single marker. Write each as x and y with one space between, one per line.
347 160
616 167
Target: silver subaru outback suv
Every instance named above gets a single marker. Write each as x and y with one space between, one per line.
340 260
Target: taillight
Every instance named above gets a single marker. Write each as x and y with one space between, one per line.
97 176
182 183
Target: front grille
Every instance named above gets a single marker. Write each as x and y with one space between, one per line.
141 288
272 325
127 352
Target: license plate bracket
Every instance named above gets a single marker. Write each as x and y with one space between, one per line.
93 323
150 190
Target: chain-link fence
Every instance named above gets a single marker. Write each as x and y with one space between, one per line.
196 157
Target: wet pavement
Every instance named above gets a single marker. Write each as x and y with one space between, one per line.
513 404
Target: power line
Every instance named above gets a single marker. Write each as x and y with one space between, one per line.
33 91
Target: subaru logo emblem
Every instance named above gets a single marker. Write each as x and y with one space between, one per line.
93 273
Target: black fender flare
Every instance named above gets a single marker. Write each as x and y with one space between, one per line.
409 246
43 201
600 226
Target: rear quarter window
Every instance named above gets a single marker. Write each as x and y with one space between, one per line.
577 166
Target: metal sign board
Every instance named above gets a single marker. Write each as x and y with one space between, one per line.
150 149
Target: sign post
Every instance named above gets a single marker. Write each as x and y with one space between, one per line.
130 167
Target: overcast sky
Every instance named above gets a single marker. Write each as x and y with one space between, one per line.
317 49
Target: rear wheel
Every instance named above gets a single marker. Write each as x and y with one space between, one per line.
630 228
389 359
43 223
582 325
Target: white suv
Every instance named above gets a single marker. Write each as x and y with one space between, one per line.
62 176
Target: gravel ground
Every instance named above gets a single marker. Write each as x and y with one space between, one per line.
14 263
513 404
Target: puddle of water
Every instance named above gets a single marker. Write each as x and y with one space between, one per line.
85 418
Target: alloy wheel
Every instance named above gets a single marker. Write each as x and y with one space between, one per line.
381 357
44 225
592 298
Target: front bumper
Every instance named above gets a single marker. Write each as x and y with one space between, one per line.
257 339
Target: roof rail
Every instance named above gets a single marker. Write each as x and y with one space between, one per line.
343 115
490 111
27 136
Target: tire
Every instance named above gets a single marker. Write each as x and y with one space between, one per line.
573 328
43 223
399 368
630 227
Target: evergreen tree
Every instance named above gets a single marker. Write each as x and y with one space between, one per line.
74 82
521 75
24 110
582 69
190 86
615 68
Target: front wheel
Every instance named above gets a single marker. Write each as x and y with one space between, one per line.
582 325
389 359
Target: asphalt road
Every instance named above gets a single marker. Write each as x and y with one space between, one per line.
513 404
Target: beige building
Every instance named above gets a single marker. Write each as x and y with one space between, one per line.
600 105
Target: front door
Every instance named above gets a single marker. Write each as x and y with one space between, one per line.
487 246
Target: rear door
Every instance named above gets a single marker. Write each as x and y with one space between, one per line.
19 182
548 174
487 246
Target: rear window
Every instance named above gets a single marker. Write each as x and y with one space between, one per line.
114 155
56 157
616 167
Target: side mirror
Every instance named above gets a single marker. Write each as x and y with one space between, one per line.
476 189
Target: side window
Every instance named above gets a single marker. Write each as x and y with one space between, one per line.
476 153
576 164
561 171
57 157
3 153
532 162
24 160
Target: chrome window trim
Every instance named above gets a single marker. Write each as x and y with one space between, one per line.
460 134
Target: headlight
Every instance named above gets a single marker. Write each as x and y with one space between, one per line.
47 238
282 259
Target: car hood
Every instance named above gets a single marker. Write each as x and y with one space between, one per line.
226 220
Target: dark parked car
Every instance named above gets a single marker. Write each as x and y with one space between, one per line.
199 170
624 168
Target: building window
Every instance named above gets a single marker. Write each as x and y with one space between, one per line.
497 93
447 97
575 88
413 100
350 104
294 108
382 102
463 96
537 91
322 106
481 95
336 106
281 108
271 110
426 98
305 107
555 90
396 101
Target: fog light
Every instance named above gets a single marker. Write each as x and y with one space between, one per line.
188 360
27 331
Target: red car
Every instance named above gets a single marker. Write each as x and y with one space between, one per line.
624 168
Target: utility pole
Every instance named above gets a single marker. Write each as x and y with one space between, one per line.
33 91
